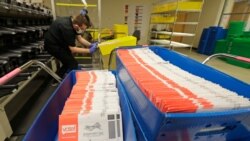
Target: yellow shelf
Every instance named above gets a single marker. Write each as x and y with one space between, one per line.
185 6
174 33
170 43
162 19
75 5
166 15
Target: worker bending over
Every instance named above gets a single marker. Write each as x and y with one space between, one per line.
60 41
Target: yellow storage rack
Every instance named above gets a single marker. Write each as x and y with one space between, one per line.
181 5
172 19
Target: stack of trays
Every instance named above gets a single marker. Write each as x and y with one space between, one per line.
176 98
172 89
92 111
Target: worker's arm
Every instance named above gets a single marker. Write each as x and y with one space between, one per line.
83 41
79 50
91 50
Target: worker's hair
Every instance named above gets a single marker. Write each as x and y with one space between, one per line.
80 20
88 19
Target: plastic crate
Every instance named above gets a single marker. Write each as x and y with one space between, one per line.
172 6
238 63
240 46
187 5
164 7
221 46
214 126
203 40
107 46
246 34
45 126
155 19
208 39
120 30
235 29
138 129
106 32
155 9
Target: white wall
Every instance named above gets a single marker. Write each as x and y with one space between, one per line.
113 12
228 9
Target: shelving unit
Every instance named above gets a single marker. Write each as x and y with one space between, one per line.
170 43
234 10
173 24
174 33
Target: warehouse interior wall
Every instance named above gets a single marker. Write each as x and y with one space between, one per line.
113 12
240 7
47 3
210 16
228 8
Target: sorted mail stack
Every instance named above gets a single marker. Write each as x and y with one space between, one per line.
92 111
172 89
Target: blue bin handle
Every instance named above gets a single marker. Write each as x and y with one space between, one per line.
215 130
225 55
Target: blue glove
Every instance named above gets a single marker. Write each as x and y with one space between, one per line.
93 47
84 12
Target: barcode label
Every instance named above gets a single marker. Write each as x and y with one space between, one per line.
118 128
111 129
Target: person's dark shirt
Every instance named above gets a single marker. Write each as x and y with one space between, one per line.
61 33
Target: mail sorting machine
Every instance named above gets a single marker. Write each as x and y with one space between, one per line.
21 32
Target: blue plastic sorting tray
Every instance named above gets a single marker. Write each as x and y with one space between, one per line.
140 134
212 126
45 127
